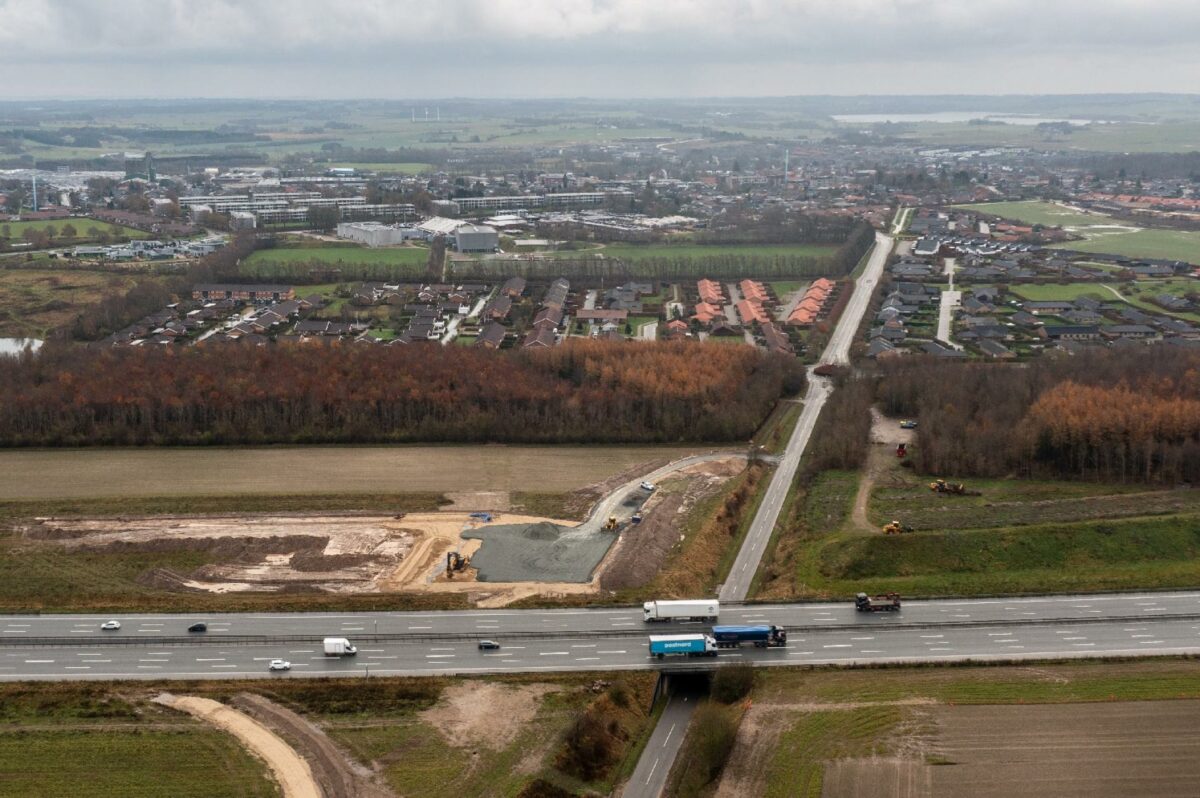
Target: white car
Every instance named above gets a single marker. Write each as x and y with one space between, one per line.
650 486
110 626
279 665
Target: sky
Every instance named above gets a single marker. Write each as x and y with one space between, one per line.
398 49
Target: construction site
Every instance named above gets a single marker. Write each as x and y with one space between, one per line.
493 557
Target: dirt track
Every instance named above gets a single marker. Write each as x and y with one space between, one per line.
293 774
337 774
885 434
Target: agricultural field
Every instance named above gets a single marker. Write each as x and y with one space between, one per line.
1101 729
36 474
1049 214
386 168
76 739
1122 137
1139 293
34 302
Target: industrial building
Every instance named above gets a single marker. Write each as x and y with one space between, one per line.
376 234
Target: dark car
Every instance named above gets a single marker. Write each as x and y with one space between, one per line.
198 627
488 645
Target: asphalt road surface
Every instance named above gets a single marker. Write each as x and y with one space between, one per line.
741 574
650 776
156 646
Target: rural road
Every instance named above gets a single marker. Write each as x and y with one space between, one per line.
741 574
951 299
650 776
156 647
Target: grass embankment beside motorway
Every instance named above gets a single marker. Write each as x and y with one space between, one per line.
573 733
1018 536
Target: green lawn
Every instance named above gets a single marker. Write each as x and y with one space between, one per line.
342 254
1053 291
1040 212
1169 244
81 225
785 287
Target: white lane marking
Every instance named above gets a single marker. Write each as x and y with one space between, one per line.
153 660
224 666
352 628
871 651
150 667
306 651
420 627
210 659
862 638
838 645
622 651
584 645
19 624
80 631
998 634
1137 636
941 649
553 653
1074 638
39 662
15 631
437 656
380 656
363 650
79 667
798 653
925 637
1150 642
1084 645
585 659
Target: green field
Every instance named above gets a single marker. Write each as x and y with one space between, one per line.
1167 244
396 168
1140 295
1161 137
1102 233
635 252
401 256
81 225
1049 214
34 302
1048 292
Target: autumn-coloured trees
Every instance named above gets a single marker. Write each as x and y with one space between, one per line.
1128 416
581 392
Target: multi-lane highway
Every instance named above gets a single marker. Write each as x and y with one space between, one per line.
238 646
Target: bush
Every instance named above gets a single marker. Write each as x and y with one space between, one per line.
709 743
732 683
540 788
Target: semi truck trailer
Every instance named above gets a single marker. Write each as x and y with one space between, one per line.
761 636
696 645
692 610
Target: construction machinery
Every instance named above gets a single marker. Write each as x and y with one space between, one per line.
901 450
942 486
484 517
611 524
636 518
896 528
455 562
888 602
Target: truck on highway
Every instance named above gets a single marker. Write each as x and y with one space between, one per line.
339 647
888 602
762 636
697 610
697 645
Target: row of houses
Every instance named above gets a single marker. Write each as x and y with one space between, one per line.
815 302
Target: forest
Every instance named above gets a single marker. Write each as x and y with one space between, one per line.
583 392
1106 415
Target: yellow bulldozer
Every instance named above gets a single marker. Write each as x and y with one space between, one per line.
896 528
942 486
611 524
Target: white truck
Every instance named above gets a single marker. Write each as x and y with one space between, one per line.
691 610
339 647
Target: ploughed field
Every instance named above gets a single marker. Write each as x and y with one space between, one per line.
73 473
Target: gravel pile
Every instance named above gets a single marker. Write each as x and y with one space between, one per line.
542 552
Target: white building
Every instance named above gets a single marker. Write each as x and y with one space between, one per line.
375 234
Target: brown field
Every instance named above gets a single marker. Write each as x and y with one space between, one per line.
35 301
97 473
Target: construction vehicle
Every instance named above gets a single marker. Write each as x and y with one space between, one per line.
901 450
762 636
610 524
455 562
484 517
699 610
696 645
896 528
888 602
942 486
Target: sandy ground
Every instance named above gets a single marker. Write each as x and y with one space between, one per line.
485 714
164 471
293 774
885 435
338 775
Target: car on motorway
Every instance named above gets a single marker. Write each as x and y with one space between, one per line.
110 626
488 645
908 424
198 627
650 486
279 665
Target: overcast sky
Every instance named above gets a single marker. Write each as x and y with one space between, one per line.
597 48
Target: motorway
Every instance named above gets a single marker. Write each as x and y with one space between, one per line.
410 644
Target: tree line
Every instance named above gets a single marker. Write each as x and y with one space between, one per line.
581 392
1105 415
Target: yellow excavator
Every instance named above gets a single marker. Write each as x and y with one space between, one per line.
455 562
896 528
610 524
942 486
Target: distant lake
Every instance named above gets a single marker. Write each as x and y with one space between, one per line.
948 117
15 346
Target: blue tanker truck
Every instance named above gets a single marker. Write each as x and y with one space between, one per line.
762 636
697 645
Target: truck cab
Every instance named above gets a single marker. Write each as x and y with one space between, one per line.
888 602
